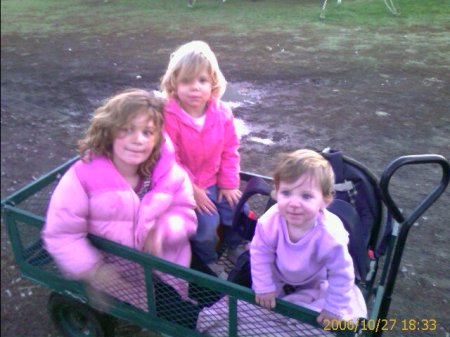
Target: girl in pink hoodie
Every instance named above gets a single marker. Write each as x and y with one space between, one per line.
126 188
206 144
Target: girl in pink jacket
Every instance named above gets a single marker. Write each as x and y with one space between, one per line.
206 144
299 244
126 188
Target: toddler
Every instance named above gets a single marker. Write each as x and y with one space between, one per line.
299 245
202 129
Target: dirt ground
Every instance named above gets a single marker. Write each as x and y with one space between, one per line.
375 100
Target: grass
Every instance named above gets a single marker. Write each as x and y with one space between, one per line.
44 17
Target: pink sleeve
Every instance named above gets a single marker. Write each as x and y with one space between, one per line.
184 199
340 282
262 258
177 197
172 129
161 175
66 228
340 270
228 175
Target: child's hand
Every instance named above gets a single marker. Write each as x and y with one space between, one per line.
326 316
266 300
204 204
232 196
104 274
104 277
154 240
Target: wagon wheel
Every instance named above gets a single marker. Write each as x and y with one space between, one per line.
75 319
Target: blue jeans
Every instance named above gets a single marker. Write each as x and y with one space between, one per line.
205 240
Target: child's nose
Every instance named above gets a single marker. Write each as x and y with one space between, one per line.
294 202
139 137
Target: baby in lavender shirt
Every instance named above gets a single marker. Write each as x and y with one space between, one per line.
299 245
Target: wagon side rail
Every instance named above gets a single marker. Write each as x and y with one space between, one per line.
32 188
24 228
233 291
13 213
148 319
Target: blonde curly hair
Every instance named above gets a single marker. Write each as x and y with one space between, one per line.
187 62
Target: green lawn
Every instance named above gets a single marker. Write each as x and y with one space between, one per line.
44 17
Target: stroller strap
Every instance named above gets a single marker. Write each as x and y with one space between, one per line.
344 186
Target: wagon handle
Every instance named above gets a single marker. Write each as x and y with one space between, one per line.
431 197
398 216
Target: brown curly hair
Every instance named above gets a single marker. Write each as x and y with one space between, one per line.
116 112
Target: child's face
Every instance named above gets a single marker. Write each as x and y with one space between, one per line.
134 143
195 93
300 202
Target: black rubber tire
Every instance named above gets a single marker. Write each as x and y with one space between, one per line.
75 319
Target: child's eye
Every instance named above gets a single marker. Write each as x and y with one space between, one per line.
148 132
124 130
285 193
184 80
306 196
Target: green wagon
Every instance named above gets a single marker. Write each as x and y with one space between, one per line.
76 313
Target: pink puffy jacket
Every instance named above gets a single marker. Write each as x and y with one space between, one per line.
210 156
92 197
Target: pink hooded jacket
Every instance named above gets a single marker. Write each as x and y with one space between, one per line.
94 198
210 156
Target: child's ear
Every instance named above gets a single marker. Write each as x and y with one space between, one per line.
327 200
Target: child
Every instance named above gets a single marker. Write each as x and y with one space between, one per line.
126 188
300 245
206 145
